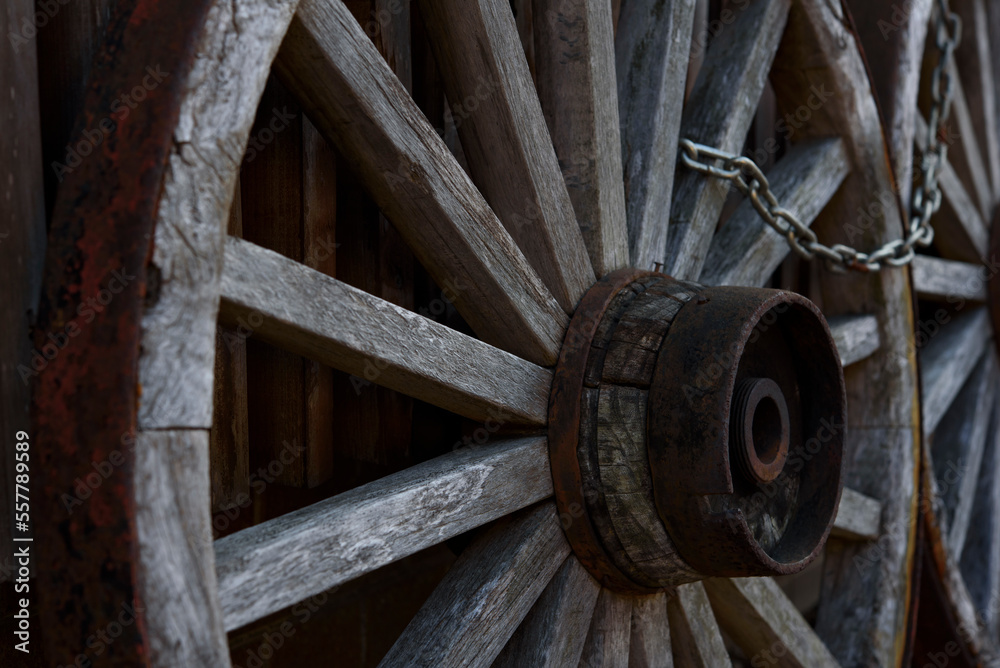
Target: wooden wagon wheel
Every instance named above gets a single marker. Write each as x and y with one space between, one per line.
528 242
956 284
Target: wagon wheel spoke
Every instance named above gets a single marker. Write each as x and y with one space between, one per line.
976 69
694 633
857 337
309 313
505 138
608 641
958 446
735 71
649 646
357 102
765 624
947 280
980 561
859 517
746 251
348 535
555 630
486 594
948 359
575 71
961 231
651 51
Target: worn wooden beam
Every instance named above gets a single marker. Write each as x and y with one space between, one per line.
576 86
857 337
487 593
694 633
324 319
652 43
359 103
719 114
649 646
859 517
948 280
505 138
353 533
555 630
610 632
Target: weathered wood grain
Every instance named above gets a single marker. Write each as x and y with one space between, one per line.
486 594
948 359
958 446
576 84
694 633
746 251
863 613
505 138
649 646
652 42
980 561
856 336
353 533
356 101
176 580
229 440
965 155
763 622
719 113
948 280
960 228
179 324
974 64
610 632
324 319
859 517
555 630
22 243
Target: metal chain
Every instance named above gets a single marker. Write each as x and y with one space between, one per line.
748 178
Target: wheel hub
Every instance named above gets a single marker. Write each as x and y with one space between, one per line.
695 431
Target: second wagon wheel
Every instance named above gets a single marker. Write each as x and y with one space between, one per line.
691 434
956 282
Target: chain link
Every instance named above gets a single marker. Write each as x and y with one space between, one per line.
748 178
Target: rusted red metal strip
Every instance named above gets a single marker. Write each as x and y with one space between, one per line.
84 368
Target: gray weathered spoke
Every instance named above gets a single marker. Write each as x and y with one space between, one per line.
980 561
960 230
966 156
282 561
651 53
947 360
607 643
857 337
760 619
575 73
958 445
473 612
694 633
311 314
859 517
719 113
649 646
948 280
356 101
974 62
554 632
746 251
505 139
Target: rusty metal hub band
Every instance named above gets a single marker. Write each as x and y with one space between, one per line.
695 431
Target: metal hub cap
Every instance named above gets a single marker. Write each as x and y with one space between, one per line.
695 431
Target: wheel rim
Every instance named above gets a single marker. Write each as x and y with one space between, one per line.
190 210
